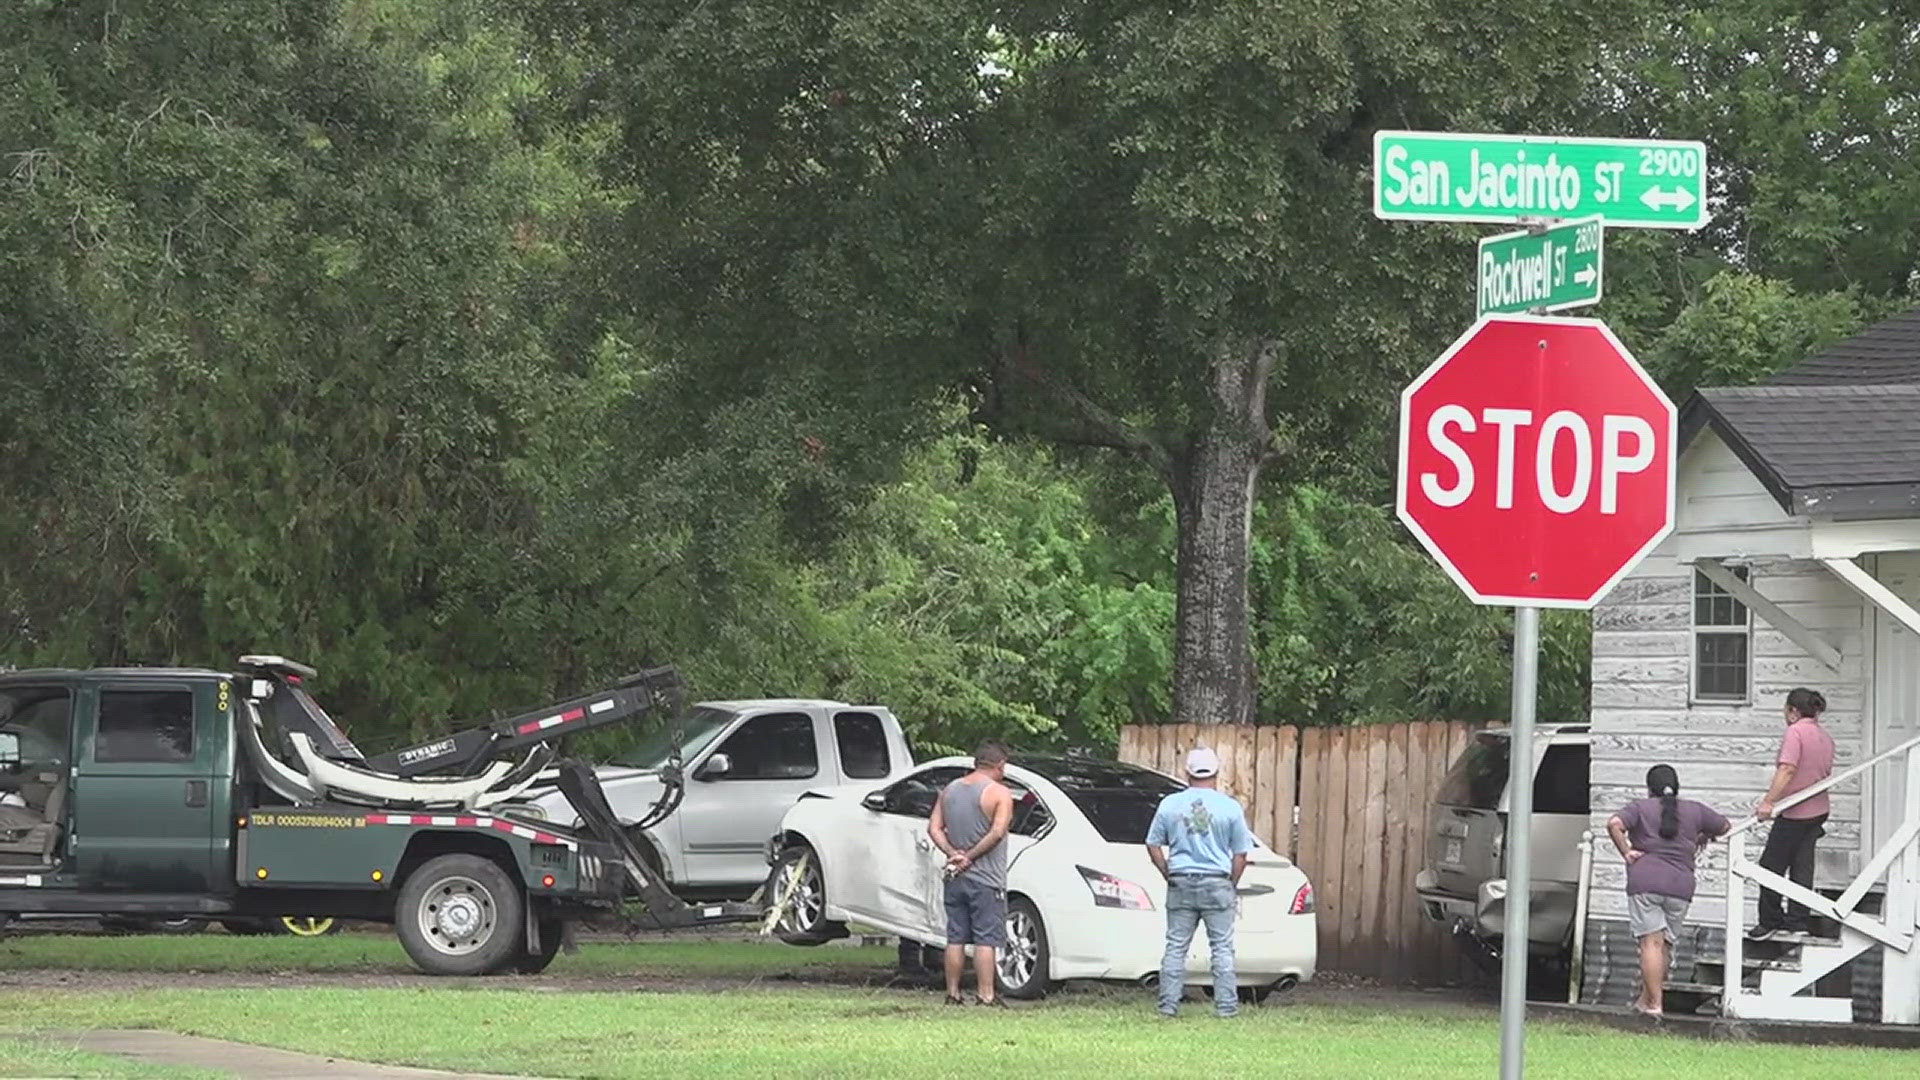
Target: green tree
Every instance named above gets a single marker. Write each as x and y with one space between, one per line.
1122 226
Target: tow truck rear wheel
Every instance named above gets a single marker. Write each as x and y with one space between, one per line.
530 962
460 915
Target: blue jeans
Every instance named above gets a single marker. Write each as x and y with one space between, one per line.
1191 900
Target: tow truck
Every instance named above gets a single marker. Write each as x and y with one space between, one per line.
165 793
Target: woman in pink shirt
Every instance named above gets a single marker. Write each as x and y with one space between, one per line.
1805 759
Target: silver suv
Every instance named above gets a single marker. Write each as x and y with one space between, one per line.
1464 885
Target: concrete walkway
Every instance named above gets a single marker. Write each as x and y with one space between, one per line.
241 1059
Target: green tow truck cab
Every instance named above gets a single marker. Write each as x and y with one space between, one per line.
175 792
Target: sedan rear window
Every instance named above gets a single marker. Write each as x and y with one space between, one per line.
1479 778
1120 815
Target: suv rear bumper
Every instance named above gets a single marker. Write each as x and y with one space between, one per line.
1484 915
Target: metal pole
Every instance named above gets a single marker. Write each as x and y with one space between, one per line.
1513 955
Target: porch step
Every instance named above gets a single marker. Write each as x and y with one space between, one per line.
1690 997
1714 971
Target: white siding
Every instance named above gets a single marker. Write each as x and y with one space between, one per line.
1717 493
1642 717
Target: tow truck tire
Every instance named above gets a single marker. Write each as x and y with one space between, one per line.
125 924
552 932
460 915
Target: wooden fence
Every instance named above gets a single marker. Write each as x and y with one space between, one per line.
1349 805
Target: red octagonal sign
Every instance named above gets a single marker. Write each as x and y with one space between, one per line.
1536 461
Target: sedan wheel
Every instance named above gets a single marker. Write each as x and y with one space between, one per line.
799 888
1023 961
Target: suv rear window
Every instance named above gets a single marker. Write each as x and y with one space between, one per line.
1479 777
1560 784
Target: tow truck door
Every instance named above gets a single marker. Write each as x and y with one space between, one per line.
148 811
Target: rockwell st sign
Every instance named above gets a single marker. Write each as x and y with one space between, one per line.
1548 270
1435 176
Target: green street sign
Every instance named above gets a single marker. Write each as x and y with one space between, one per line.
1433 176
1552 270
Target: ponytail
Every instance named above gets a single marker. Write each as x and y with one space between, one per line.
1806 703
1664 784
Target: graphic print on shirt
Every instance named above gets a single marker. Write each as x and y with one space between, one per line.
1199 818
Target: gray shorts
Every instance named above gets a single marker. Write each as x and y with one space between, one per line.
1650 913
976 913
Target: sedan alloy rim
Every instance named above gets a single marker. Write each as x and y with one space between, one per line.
802 890
1022 953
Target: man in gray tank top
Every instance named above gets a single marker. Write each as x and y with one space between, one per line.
969 822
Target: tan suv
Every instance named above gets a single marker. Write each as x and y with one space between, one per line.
1464 885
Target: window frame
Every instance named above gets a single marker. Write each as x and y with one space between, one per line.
1701 589
861 716
194 742
733 774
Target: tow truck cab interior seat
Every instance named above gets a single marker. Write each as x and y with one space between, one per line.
31 833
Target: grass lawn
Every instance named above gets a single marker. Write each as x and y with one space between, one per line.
899 1033
21 1057
382 953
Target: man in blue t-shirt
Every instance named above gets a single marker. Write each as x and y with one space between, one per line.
1199 840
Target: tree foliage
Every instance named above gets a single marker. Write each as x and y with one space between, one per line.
913 352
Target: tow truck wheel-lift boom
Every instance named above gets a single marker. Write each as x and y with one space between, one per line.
472 768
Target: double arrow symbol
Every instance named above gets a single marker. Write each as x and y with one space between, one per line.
1659 199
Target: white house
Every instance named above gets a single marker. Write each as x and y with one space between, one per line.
1795 561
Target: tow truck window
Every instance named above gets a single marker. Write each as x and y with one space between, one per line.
778 746
144 726
863 745
37 720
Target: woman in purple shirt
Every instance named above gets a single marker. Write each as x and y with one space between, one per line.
1660 836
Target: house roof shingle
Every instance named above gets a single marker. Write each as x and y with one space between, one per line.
1836 434
1886 353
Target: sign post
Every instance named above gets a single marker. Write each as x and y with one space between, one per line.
1434 176
1536 466
1539 270
1513 960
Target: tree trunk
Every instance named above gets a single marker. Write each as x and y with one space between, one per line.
1213 483
1212 473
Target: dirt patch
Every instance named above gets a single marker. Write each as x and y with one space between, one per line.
910 987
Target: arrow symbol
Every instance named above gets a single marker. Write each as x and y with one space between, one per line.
1659 198
1586 275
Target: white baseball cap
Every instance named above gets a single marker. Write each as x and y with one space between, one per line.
1202 763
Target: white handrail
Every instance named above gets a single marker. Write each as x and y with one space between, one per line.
1801 796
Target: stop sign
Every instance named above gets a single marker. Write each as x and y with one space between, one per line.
1536 461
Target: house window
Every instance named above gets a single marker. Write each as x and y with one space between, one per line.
1722 642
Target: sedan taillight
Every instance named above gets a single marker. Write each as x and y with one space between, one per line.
1113 892
1302 901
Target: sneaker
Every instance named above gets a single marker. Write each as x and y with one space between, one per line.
1167 1014
1762 933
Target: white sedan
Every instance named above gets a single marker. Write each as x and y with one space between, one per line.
1083 899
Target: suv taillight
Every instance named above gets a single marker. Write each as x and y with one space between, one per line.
1302 901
